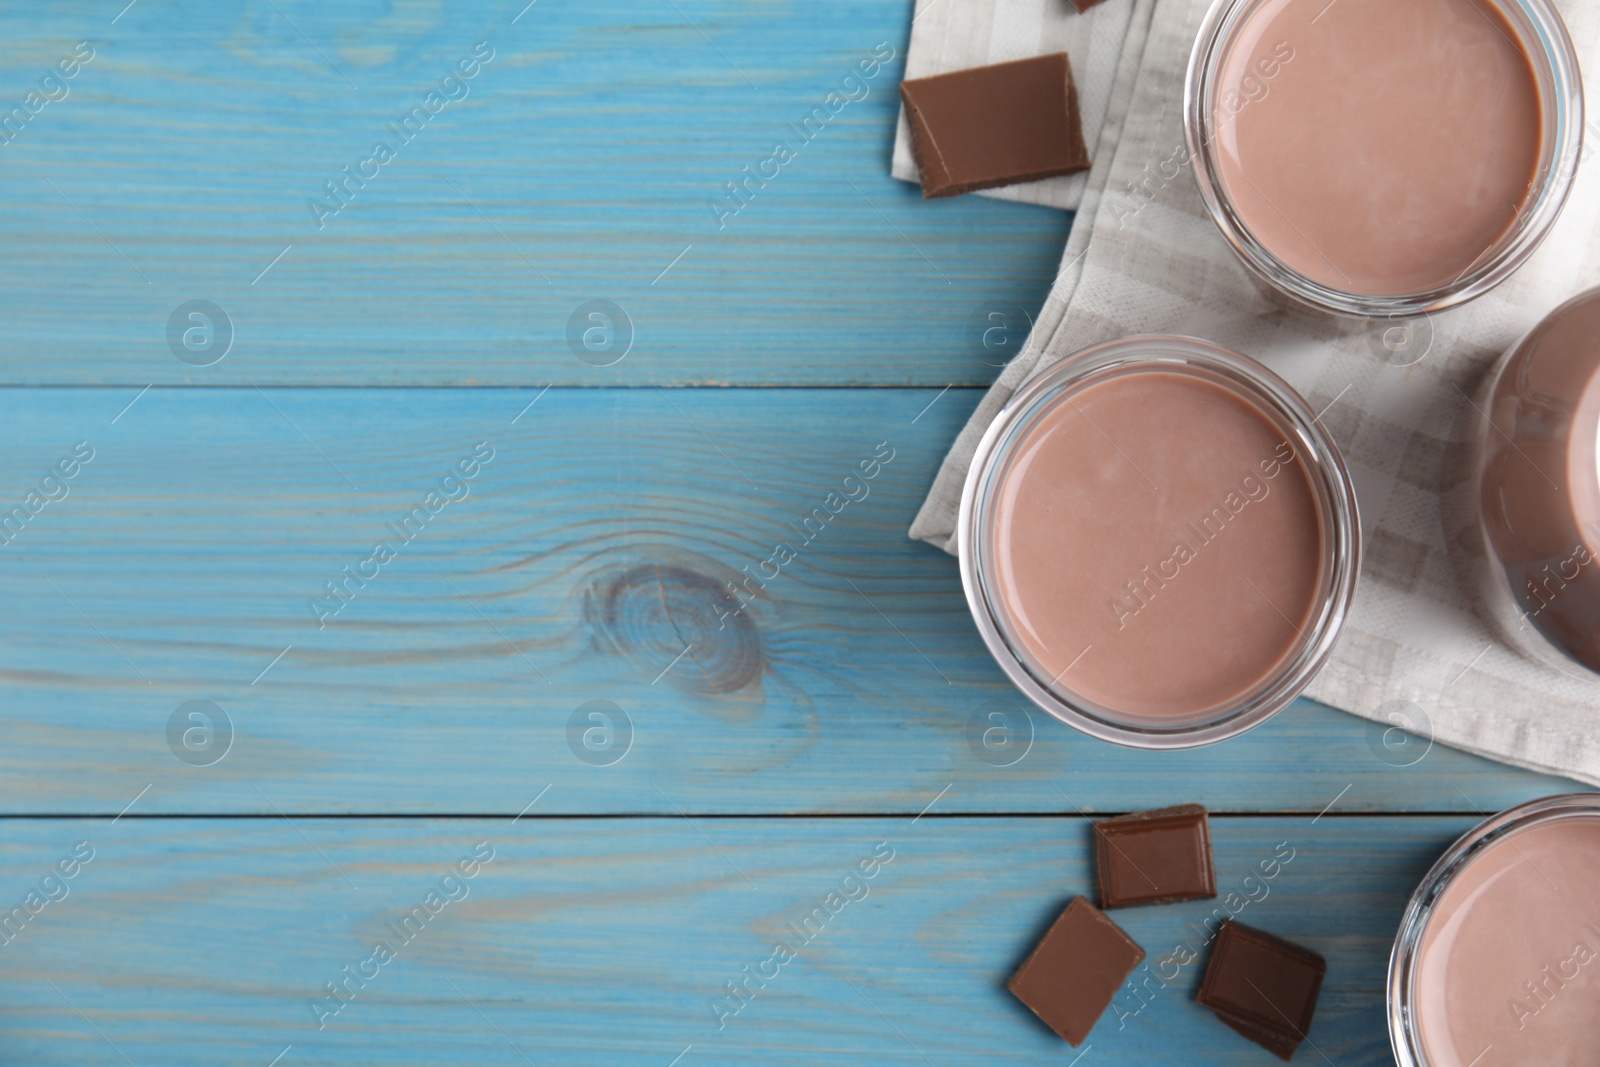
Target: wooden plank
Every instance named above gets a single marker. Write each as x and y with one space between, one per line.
581 164
596 545
608 942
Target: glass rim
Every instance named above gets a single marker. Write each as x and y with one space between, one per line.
1555 61
1404 1036
1325 470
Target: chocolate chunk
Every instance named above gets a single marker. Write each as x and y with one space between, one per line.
1263 986
998 125
1154 857
1084 5
1075 970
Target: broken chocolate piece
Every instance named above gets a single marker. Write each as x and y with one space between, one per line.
1084 5
1262 986
997 125
1155 857
1077 967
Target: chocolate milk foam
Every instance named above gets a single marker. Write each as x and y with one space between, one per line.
1158 547
1508 971
1393 151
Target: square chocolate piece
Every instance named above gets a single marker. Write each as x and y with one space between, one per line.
1075 970
998 125
1263 986
1155 857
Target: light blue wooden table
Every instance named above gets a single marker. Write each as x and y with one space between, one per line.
354 752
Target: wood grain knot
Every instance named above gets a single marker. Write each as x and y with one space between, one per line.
653 612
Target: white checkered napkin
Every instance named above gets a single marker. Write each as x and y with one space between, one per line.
951 35
1413 653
